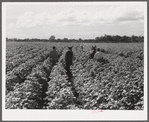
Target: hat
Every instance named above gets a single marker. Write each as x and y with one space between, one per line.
98 49
70 47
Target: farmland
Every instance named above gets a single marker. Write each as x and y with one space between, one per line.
32 82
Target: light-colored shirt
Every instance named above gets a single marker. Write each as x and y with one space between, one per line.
98 55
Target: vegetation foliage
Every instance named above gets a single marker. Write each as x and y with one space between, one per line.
102 39
32 82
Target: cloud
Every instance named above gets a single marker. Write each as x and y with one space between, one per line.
29 19
73 17
130 13
131 16
112 15
118 14
25 19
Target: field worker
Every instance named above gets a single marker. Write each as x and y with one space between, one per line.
54 56
69 56
92 53
98 56
81 47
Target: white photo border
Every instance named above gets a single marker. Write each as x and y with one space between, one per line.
50 115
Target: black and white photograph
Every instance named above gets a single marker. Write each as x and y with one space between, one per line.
74 60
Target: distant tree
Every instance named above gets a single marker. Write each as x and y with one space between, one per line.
133 38
109 38
116 38
58 40
65 40
80 39
102 39
27 39
97 38
52 38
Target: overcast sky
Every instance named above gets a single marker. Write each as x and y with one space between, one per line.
74 20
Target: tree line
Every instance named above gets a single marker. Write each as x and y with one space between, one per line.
101 39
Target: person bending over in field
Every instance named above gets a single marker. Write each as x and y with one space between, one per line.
53 56
92 53
98 56
69 56
81 47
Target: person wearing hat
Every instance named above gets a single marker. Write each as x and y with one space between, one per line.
53 56
68 61
98 56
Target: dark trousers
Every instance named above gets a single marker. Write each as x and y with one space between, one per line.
68 72
54 61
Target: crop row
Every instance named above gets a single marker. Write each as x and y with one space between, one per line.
19 74
22 54
117 84
17 49
31 93
135 53
16 62
59 94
